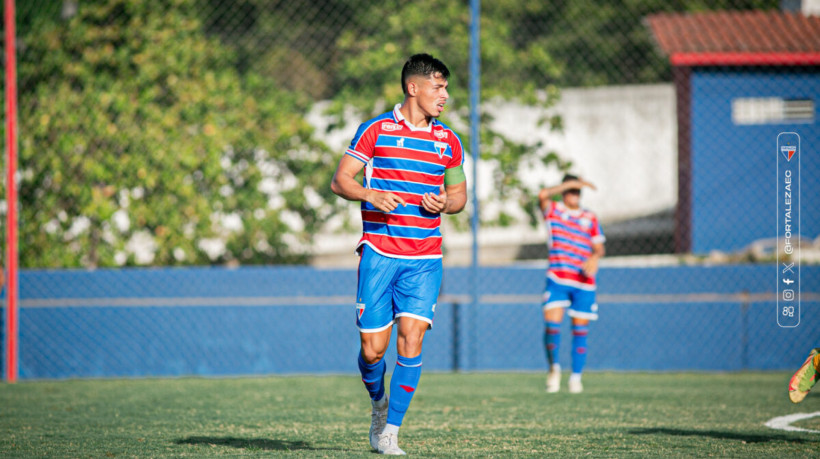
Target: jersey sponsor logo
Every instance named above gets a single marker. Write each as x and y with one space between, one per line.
391 127
400 142
441 135
441 147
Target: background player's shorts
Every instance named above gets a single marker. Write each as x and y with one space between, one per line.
395 287
580 302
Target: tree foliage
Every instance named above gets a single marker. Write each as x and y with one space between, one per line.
142 143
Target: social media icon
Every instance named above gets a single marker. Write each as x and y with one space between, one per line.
788 294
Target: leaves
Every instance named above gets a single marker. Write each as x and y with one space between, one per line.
134 112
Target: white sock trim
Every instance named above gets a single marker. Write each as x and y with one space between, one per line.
390 428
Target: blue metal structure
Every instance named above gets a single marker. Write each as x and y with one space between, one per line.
286 320
475 140
733 175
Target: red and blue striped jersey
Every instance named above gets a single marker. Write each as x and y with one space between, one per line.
407 161
570 237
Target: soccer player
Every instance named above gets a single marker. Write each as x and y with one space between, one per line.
805 377
413 172
576 243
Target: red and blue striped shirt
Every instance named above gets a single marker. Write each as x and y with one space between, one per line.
407 161
571 236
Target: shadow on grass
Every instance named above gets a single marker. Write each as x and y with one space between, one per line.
252 443
748 438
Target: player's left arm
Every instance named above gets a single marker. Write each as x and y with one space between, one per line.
456 197
450 200
452 196
590 266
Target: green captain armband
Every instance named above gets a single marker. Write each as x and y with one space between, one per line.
454 175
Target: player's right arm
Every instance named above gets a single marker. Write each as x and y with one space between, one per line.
345 185
546 194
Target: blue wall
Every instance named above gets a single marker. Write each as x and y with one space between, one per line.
281 320
734 166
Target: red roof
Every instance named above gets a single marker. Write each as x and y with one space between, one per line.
738 38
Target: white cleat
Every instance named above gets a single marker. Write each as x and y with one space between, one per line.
575 386
378 419
554 380
389 444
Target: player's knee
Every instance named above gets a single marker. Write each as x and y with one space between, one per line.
372 354
410 345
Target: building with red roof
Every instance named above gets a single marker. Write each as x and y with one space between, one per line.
741 80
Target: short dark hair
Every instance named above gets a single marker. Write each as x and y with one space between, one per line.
567 178
422 65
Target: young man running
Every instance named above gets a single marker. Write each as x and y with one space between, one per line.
413 172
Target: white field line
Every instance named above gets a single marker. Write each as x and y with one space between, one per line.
784 422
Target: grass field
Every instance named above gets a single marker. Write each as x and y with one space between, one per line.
457 415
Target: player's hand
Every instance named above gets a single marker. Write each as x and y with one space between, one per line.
590 266
434 203
386 202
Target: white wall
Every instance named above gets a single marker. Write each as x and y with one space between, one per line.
621 138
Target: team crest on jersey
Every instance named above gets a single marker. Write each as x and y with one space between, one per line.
359 310
441 135
585 222
441 147
391 127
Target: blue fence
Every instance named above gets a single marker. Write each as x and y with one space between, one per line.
285 320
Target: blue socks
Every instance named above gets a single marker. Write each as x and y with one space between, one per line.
373 377
552 341
579 347
552 344
403 385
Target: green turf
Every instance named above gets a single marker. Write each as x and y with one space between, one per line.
456 415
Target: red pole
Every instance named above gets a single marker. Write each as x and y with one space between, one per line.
11 197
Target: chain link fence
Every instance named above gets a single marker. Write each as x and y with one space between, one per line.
206 132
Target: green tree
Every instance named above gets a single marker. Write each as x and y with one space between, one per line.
352 51
138 131
371 54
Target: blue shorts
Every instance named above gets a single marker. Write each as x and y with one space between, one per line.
580 302
390 288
